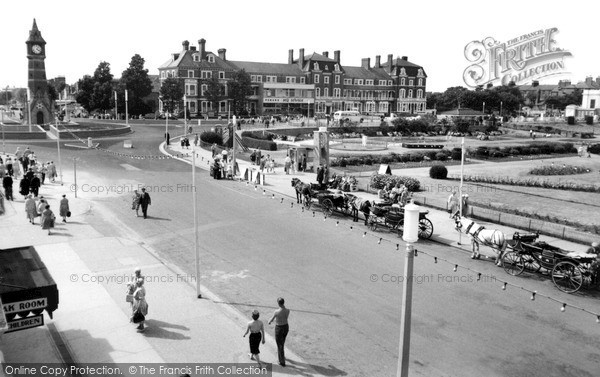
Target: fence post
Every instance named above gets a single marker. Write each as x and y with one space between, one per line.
563 236
529 227
499 217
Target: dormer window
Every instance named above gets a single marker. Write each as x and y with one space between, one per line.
337 67
316 66
196 57
420 73
327 68
402 72
211 58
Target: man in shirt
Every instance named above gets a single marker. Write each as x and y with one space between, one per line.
144 202
281 328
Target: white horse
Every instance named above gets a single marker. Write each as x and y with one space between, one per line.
478 234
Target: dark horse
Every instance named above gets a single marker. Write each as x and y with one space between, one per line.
303 190
358 205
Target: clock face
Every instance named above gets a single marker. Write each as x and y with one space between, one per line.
37 49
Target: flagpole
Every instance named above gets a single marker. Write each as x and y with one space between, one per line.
460 189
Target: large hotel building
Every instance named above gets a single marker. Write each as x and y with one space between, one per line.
307 84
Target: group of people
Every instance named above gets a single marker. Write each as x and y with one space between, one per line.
257 332
136 296
454 202
397 193
141 199
42 209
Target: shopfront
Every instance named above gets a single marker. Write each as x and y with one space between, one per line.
26 289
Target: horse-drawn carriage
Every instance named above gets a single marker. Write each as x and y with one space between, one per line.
569 270
392 217
330 201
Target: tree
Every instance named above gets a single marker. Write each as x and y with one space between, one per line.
239 89
215 91
5 97
84 93
52 93
103 88
138 85
171 93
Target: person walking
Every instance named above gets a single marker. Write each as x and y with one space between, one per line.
257 333
51 171
320 175
287 164
135 202
453 203
30 209
47 219
132 285
139 304
213 149
145 201
24 187
34 185
63 209
7 183
281 328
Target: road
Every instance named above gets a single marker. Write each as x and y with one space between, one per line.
342 287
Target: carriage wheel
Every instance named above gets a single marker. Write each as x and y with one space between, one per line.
327 205
425 229
567 276
373 222
513 263
531 265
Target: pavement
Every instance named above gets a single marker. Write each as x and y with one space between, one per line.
91 270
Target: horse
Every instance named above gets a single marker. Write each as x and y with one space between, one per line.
478 234
358 205
302 190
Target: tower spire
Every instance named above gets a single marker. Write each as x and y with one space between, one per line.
34 27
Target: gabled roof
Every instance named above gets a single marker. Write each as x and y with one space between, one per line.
404 63
361 73
269 68
185 59
318 57
585 85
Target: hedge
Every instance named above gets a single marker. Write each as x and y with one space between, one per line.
352 160
259 144
561 185
379 181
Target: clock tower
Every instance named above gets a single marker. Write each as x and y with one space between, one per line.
41 107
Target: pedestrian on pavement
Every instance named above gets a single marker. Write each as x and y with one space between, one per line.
196 140
303 162
34 185
145 201
453 203
281 328
63 209
47 219
257 333
52 171
320 176
135 203
10 167
139 303
465 205
44 172
24 187
7 183
287 164
132 285
594 249
213 149
30 209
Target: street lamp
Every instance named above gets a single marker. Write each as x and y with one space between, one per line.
126 110
410 236
116 107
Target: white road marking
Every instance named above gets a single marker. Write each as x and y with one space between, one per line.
129 167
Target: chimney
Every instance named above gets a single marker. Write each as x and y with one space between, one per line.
326 54
389 62
301 58
535 83
405 58
202 48
291 56
598 80
378 61
588 80
336 56
186 45
366 63
222 52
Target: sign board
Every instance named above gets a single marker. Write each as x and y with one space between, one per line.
25 323
384 169
22 306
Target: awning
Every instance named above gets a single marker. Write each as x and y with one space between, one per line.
26 287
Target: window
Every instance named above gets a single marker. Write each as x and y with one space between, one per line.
336 67
256 78
271 78
325 79
390 83
410 93
221 74
410 82
290 79
347 81
592 104
420 93
358 81
326 92
162 74
318 92
381 82
190 73
206 74
302 80
337 79
345 93
316 66
222 106
336 92
203 88
190 89
403 81
369 82
420 82
192 106
211 59
402 93
316 78
196 57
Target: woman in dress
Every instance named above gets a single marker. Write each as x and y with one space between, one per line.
257 333
64 208
139 302
135 202
47 219
30 209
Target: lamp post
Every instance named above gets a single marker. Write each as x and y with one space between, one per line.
501 112
410 236
58 148
194 200
184 115
116 107
126 110
29 109
75 174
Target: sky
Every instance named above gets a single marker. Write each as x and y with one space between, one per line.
433 34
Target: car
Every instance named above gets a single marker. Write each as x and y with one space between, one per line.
171 116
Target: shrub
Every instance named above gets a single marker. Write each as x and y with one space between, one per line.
515 152
211 138
456 154
368 160
379 181
595 149
260 144
534 151
343 162
438 172
385 159
559 170
558 148
441 156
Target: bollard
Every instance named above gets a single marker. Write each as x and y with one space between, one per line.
89 142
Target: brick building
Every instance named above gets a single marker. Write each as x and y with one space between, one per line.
308 84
